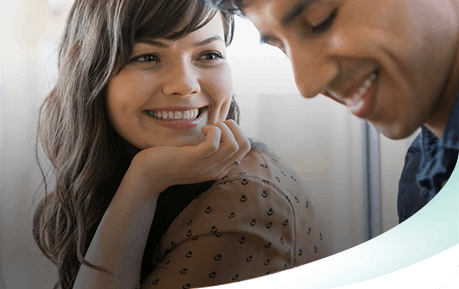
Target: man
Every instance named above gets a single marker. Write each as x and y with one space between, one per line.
393 63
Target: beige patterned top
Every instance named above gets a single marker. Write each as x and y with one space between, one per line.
257 220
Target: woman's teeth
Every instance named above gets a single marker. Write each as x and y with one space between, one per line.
175 115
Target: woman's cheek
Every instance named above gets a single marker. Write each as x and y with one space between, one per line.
221 90
224 111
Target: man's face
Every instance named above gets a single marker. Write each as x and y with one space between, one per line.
387 60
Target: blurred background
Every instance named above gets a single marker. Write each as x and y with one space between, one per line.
352 171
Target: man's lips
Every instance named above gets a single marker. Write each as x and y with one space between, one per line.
352 96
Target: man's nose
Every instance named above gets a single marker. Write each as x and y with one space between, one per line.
312 69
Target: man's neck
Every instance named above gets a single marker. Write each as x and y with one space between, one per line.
439 119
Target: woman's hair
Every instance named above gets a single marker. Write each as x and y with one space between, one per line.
86 153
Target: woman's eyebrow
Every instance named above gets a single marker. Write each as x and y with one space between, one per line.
297 9
158 43
152 42
208 40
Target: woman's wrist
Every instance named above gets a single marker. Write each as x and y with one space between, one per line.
140 180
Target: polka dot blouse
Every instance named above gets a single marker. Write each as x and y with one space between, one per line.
257 220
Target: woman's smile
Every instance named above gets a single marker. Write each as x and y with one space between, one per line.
178 117
170 89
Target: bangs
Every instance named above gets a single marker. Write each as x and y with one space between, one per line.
170 19
173 19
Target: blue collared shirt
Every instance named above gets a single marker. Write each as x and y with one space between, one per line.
428 162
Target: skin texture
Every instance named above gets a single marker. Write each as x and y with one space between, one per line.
334 45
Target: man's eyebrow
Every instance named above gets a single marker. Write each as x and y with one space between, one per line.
209 40
289 17
296 11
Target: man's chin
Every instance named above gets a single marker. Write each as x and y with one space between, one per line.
395 131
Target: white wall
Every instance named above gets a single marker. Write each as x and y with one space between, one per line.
27 27
317 137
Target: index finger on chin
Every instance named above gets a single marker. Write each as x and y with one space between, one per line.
211 144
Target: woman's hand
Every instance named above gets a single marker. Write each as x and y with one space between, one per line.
126 222
164 166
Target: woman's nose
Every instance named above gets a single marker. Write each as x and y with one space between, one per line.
181 80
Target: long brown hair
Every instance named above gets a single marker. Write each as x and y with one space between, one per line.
87 157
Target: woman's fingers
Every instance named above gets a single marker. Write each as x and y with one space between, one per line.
241 139
211 144
234 146
224 145
228 143
243 148
219 147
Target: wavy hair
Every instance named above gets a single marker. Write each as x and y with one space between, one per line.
87 156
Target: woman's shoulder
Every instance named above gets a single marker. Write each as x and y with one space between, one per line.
262 184
247 203
261 198
264 167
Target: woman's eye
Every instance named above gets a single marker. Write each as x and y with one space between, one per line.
147 58
324 26
214 55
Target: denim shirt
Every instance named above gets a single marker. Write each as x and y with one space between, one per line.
428 162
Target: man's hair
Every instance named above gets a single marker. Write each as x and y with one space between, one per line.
232 6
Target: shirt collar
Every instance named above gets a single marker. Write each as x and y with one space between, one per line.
451 136
439 156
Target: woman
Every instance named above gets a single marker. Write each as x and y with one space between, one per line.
138 128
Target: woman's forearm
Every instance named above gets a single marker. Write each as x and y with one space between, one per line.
119 242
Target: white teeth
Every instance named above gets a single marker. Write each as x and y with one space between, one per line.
335 95
367 83
356 99
372 76
175 115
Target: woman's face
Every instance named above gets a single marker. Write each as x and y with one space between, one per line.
170 89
